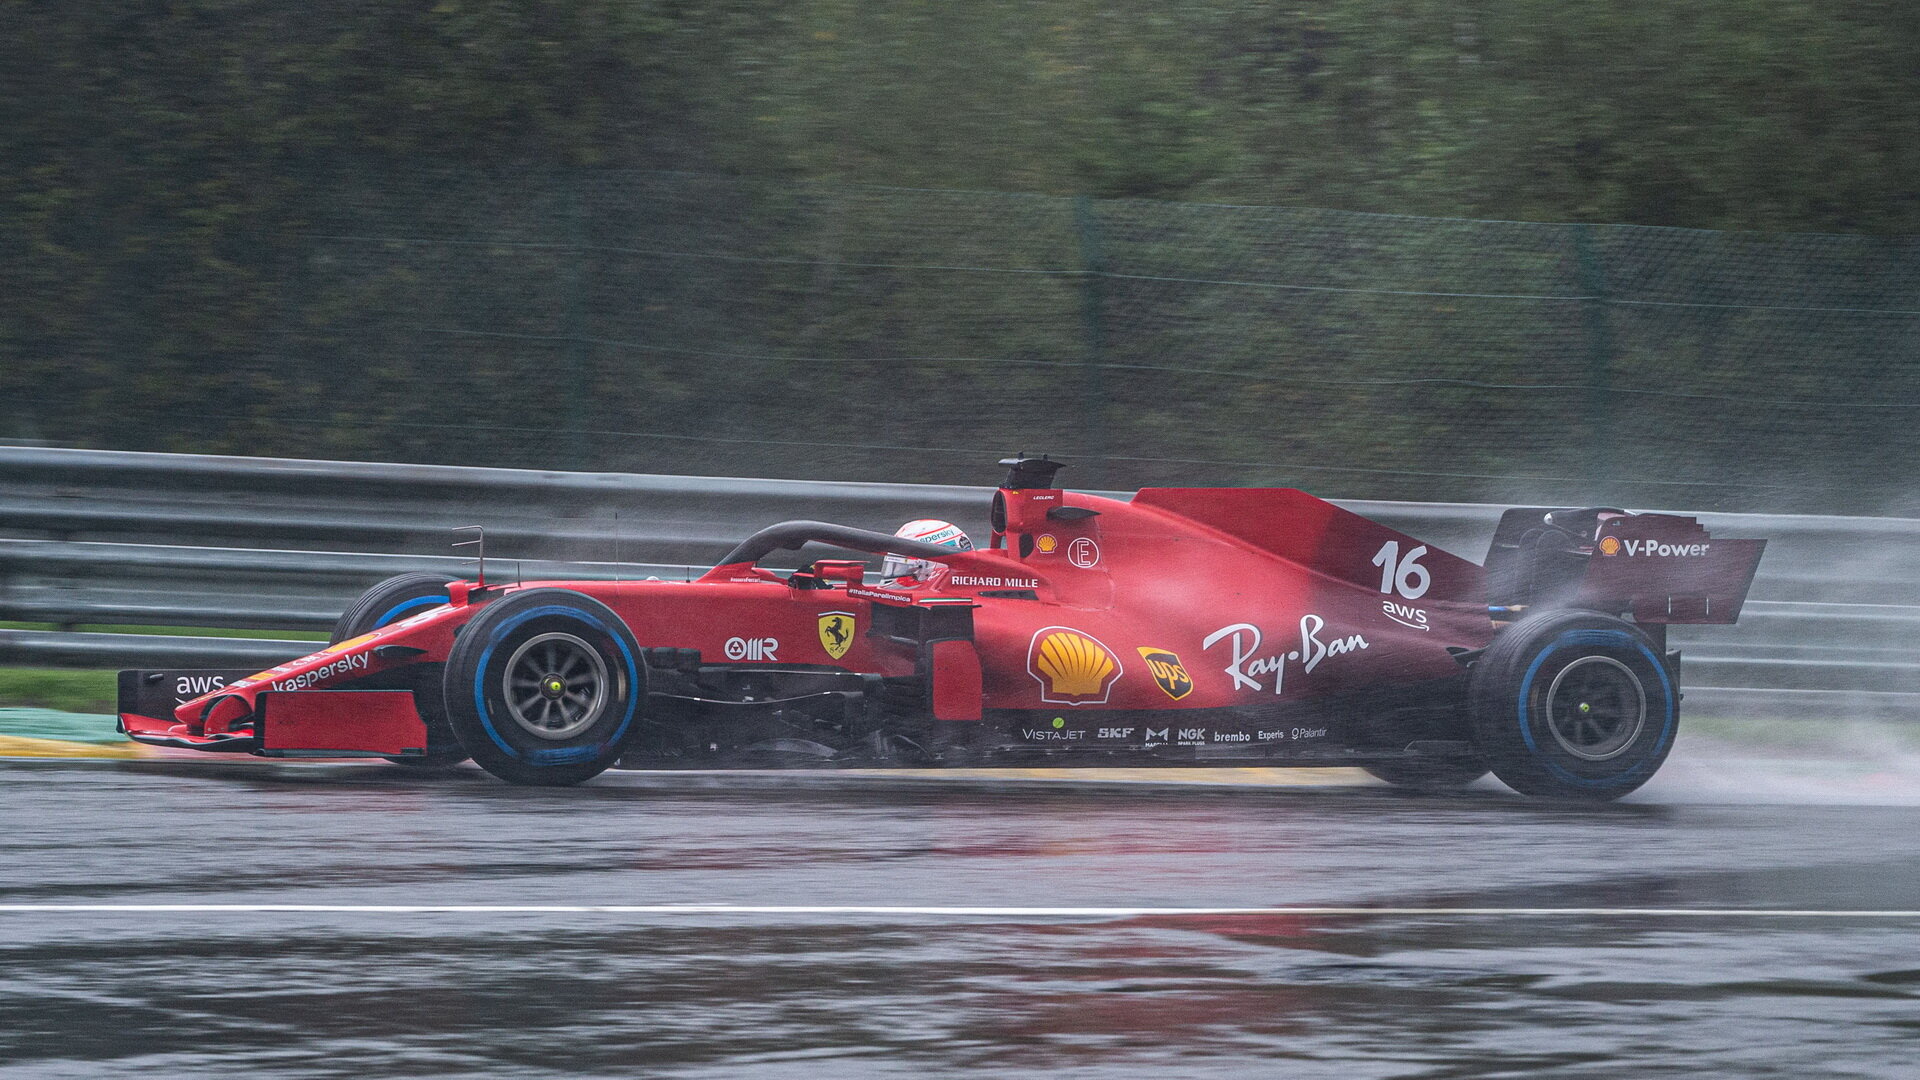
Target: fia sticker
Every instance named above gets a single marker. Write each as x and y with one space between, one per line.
1084 553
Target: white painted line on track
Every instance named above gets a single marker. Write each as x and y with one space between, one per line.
949 911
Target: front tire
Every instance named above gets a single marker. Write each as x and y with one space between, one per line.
399 597
545 686
1574 705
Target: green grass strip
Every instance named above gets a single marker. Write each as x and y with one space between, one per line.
58 688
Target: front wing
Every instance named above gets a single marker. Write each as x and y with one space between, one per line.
301 723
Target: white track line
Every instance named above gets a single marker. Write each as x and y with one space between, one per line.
954 912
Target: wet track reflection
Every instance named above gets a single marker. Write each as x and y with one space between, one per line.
568 993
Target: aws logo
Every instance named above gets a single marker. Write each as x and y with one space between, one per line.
1072 668
1404 614
1168 672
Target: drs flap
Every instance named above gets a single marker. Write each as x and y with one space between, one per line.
340 723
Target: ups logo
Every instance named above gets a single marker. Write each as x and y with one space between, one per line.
1168 672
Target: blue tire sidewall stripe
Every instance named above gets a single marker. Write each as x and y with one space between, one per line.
393 613
1611 639
558 756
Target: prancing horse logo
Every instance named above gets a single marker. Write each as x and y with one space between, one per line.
836 632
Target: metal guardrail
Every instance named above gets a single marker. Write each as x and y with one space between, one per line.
95 537
79 582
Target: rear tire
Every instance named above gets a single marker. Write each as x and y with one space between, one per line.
399 597
1574 705
544 686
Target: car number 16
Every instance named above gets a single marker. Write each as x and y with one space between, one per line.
1404 576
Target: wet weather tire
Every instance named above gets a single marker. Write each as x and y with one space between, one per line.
1574 705
545 687
399 597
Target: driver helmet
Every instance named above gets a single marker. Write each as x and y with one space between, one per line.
927 531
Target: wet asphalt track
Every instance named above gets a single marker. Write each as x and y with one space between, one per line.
716 993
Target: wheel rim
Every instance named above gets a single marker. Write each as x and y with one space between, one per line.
1596 708
556 686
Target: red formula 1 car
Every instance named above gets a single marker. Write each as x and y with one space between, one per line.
1190 626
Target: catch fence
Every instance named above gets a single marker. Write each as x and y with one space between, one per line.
677 324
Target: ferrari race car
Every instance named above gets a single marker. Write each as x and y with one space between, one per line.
1185 626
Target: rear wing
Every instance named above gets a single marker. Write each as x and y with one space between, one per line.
1663 568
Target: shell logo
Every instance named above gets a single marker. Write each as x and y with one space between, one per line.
1072 668
1609 545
